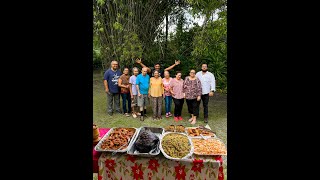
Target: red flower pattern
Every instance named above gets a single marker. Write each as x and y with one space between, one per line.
130 158
150 175
137 171
219 158
191 177
197 165
180 172
110 164
153 165
221 175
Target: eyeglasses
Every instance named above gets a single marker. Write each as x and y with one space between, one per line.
192 72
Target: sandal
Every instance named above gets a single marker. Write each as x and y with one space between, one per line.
134 115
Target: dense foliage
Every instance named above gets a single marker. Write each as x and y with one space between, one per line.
127 29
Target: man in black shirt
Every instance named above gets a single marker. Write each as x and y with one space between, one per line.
157 67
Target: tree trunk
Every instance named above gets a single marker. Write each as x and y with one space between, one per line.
166 42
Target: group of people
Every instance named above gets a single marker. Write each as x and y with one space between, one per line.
156 84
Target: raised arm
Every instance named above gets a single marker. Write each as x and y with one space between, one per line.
138 61
177 62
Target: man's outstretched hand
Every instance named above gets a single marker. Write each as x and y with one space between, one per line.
177 62
138 60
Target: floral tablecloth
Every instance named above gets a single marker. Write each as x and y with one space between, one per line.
123 166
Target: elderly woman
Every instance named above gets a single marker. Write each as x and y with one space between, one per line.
192 91
156 93
176 86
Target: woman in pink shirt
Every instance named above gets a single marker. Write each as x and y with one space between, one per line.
176 87
167 94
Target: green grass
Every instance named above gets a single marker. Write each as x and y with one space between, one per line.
217 114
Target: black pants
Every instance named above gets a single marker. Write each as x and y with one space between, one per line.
193 106
205 101
178 104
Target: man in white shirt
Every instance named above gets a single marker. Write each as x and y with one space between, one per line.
208 83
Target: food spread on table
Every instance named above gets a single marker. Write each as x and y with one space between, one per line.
176 145
146 141
211 146
118 139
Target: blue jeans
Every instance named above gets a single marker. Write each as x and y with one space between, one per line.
125 98
168 102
